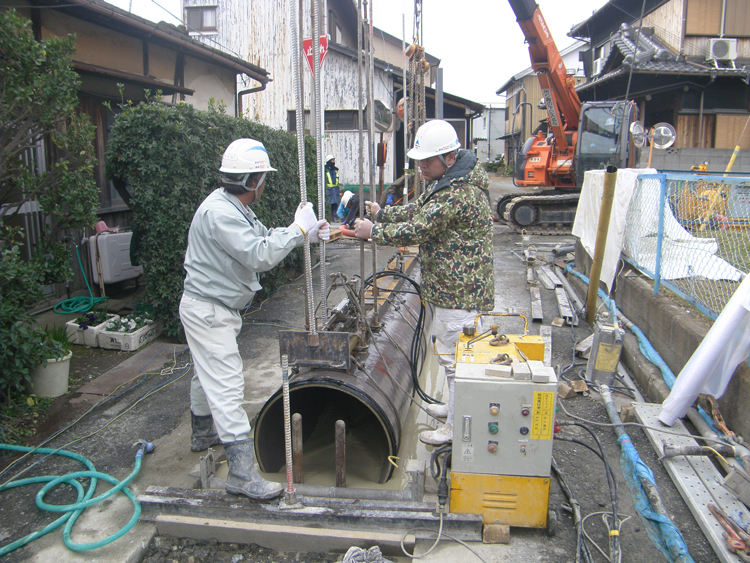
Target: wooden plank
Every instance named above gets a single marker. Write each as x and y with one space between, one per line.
546 333
281 537
695 477
584 346
335 234
536 304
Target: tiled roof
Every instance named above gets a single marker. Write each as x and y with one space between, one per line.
650 56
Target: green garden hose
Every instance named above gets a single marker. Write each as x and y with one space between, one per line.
80 304
84 500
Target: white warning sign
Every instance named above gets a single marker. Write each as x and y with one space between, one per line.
467 452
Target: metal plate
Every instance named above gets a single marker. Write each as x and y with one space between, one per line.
332 350
536 305
695 477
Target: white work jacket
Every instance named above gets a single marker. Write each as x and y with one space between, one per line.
228 246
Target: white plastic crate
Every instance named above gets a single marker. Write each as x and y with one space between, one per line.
129 340
88 337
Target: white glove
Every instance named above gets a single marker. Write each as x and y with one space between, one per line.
363 228
372 209
321 231
305 217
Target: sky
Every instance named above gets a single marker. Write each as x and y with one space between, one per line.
479 42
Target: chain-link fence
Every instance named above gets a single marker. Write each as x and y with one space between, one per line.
691 233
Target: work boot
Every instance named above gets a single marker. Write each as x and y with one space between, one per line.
443 435
204 435
243 478
437 410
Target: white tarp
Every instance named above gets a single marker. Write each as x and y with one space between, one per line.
633 231
683 255
713 363
587 215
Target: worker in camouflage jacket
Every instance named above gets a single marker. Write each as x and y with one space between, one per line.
452 224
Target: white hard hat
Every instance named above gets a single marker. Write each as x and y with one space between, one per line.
433 138
330 157
346 197
245 156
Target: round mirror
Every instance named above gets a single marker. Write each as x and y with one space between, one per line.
638 133
663 136
383 117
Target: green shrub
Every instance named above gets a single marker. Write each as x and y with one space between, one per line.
24 344
168 159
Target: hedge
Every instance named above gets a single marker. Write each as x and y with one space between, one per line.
167 158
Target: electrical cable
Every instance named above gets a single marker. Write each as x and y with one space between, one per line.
165 371
638 424
582 549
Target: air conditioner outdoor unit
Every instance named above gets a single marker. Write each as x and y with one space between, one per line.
598 67
722 49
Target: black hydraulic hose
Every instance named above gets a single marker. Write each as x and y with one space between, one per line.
417 350
582 549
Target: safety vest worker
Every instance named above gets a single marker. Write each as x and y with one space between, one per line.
332 184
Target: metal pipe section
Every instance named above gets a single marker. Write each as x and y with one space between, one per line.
340 454
373 401
608 197
299 471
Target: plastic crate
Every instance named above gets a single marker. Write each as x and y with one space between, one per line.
130 340
89 336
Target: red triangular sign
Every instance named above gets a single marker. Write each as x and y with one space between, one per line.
308 50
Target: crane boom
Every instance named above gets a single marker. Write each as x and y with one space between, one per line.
558 89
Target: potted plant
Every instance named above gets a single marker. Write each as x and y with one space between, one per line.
129 332
85 328
50 378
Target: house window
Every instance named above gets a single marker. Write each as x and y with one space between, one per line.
202 18
341 120
291 120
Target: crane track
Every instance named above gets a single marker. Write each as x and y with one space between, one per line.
536 201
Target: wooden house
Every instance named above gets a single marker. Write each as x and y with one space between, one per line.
260 33
688 67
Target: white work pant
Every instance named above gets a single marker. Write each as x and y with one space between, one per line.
218 386
447 325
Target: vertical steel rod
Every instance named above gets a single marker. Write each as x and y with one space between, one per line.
290 497
361 151
299 473
319 133
406 113
371 145
340 453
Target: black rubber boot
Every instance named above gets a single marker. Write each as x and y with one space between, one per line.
204 435
243 478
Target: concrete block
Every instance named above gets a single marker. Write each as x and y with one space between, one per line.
543 375
496 533
280 537
521 371
498 371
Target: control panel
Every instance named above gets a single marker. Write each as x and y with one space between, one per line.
502 425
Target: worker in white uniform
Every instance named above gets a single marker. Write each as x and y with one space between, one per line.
227 248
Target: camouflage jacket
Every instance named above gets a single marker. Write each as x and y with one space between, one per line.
452 224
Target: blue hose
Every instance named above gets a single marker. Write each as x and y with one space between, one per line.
643 343
79 304
83 501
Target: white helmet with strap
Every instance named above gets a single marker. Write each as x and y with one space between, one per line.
242 158
346 197
436 137
245 155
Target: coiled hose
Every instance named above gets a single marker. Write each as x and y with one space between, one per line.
84 500
80 304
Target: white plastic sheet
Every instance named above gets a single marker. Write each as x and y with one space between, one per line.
587 215
682 254
712 365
